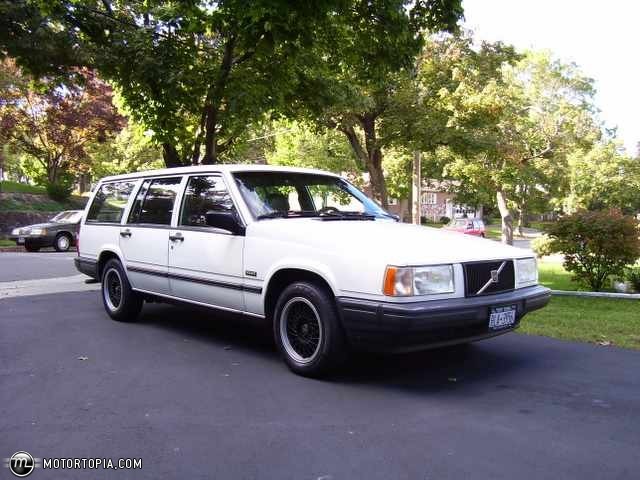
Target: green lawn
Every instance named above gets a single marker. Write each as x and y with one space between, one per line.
554 276
40 204
607 321
7 243
7 186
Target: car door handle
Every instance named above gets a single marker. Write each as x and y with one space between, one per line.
125 233
176 238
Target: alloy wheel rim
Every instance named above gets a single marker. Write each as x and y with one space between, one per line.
301 330
63 243
112 289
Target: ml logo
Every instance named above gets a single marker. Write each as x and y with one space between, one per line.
21 464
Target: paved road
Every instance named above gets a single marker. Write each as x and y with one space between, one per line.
200 395
29 266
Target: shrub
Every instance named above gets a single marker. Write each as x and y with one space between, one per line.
59 192
542 246
596 244
444 220
633 277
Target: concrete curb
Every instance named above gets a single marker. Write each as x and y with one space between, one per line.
567 293
45 286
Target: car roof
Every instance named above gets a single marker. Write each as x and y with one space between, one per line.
232 168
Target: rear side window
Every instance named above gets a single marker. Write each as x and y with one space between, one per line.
109 202
204 194
155 200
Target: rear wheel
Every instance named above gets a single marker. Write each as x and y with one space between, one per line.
120 301
62 242
307 330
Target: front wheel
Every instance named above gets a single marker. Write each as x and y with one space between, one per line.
29 247
120 301
307 330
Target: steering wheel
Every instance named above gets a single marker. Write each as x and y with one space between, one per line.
328 210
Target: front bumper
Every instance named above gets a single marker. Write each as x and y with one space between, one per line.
388 326
35 241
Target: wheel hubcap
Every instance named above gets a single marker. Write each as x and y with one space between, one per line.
301 330
63 243
112 289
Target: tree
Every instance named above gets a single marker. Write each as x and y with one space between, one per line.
131 150
298 144
54 123
367 57
531 118
603 177
196 73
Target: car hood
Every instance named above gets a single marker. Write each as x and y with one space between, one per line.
392 242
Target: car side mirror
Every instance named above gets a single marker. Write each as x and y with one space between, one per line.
224 220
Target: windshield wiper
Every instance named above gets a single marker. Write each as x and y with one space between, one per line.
347 216
282 214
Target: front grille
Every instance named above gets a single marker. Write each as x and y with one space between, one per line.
477 274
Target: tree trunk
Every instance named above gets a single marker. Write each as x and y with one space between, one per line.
416 190
212 109
170 156
374 160
507 219
522 220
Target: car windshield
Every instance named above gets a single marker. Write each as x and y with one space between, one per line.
290 194
67 217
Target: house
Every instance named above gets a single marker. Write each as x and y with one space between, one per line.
435 202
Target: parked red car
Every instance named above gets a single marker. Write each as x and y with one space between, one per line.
468 226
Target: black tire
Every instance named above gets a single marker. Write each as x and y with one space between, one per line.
120 301
29 247
62 242
308 310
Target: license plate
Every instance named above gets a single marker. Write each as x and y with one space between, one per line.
20 239
502 317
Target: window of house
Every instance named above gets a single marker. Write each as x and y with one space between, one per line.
109 202
155 200
204 194
429 198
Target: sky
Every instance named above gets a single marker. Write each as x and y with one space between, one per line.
601 37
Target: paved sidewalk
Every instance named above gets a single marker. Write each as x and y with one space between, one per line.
25 288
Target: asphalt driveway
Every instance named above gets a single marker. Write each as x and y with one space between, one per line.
200 395
36 265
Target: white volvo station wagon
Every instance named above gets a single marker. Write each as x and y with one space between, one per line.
305 250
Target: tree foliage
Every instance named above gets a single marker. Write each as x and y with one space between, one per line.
53 123
519 129
197 73
596 244
603 177
367 57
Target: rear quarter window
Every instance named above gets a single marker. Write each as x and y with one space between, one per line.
109 202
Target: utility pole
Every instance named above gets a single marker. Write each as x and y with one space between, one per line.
416 190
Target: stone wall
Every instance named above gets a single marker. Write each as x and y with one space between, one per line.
11 220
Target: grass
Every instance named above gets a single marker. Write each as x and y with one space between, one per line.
7 243
433 224
7 186
554 276
606 321
39 204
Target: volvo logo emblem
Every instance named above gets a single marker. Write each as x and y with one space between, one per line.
495 276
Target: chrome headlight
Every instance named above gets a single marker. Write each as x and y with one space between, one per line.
526 272
38 231
424 280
